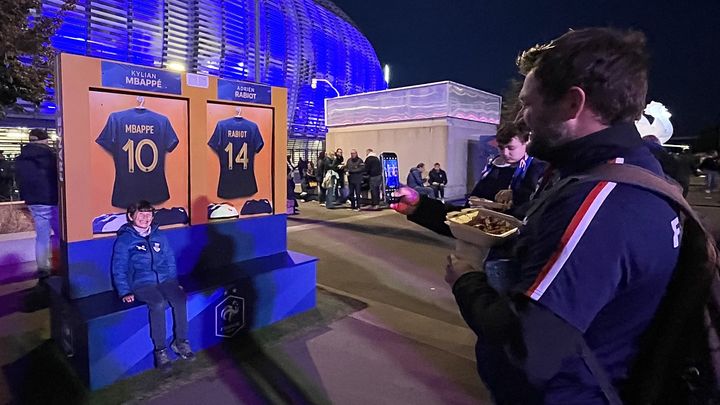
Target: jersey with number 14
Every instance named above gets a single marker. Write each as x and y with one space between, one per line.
138 140
236 141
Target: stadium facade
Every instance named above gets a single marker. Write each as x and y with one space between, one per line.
277 42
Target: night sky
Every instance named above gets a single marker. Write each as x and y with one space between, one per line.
475 42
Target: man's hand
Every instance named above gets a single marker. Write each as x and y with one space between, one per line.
128 298
409 200
504 197
455 269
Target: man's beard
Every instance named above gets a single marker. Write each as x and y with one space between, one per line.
545 141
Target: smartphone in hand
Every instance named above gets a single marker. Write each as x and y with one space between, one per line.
391 176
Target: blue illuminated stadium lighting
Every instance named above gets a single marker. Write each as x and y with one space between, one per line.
220 38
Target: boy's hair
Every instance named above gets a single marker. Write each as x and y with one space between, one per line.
420 165
510 130
140 206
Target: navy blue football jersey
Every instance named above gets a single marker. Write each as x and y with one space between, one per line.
138 140
236 140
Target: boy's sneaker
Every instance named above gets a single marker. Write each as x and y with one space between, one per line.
162 359
182 349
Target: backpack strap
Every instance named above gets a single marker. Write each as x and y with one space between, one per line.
601 377
642 178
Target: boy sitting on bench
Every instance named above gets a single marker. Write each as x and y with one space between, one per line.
143 267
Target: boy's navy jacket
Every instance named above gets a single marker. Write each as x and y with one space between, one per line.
595 264
139 260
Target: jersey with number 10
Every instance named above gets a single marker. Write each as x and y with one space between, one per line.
138 140
236 141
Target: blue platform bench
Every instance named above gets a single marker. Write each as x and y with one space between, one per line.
107 340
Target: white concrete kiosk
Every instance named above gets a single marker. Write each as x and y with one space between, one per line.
427 123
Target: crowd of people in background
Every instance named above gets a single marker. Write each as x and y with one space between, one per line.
509 178
336 182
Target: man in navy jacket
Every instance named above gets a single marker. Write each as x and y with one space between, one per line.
37 175
595 263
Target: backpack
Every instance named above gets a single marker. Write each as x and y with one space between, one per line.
678 361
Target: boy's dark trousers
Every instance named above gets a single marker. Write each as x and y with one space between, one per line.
157 297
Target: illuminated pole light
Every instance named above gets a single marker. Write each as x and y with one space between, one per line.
386 74
314 83
176 66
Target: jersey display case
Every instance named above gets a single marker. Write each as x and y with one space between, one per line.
207 159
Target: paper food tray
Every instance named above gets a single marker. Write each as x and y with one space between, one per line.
456 221
476 202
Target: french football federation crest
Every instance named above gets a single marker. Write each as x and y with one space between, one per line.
229 315
156 247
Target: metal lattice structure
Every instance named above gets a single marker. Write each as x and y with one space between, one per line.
277 42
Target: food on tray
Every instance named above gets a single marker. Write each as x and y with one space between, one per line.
491 225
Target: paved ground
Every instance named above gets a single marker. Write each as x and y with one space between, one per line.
404 344
386 330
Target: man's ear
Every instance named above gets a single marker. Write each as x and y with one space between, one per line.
572 103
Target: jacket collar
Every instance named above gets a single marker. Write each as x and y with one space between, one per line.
131 229
602 146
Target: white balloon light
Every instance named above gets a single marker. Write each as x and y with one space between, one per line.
661 126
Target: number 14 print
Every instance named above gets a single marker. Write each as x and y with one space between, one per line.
241 158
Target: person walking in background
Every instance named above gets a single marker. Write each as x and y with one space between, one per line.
438 180
668 162
292 204
290 166
6 178
302 166
416 181
339 168
323 163
686 169
308 181
374 170
37 177
710 167
355 169
331 179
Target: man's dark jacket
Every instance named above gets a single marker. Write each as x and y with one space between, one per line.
37 174
593 266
